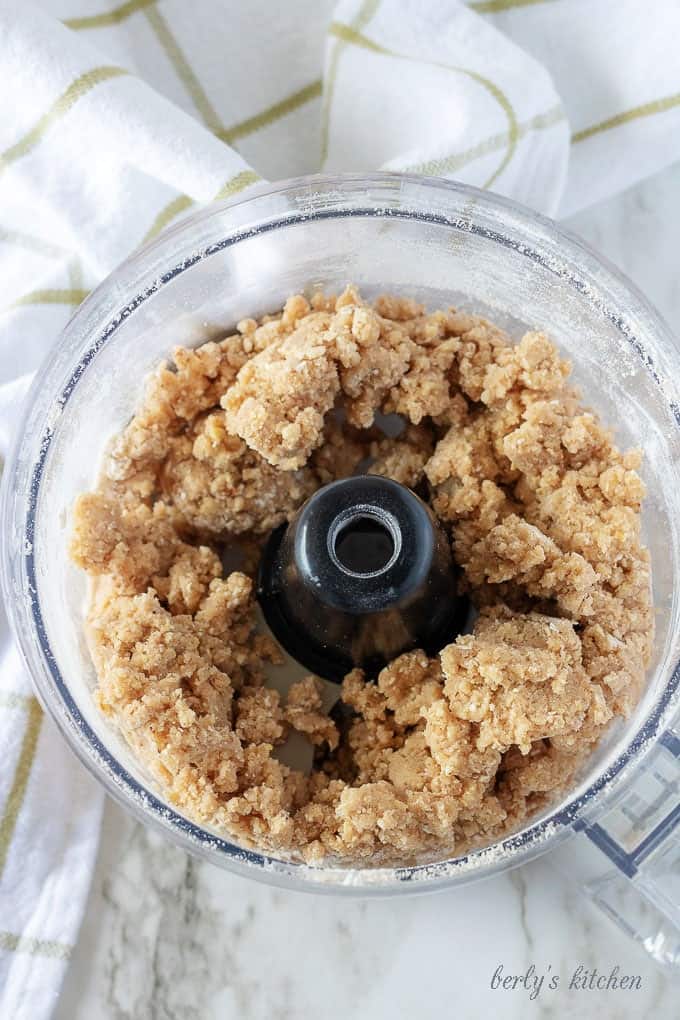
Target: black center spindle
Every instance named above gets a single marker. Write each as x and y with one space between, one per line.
362 573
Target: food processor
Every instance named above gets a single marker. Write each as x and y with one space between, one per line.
616 828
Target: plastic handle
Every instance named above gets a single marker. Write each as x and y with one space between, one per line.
628 861
360 574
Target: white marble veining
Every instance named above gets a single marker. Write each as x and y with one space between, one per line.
167 937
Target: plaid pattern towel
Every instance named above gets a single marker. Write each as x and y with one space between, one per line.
120 117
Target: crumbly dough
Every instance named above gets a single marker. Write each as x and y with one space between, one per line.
438 754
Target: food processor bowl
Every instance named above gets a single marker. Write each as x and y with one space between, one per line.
442 243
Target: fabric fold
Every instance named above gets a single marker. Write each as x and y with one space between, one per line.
437 90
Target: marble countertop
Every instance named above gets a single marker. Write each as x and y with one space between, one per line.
168 937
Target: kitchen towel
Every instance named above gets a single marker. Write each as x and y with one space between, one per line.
119 118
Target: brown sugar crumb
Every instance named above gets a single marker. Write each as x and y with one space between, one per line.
341 453
174 395
129 543
259 717
520 678
278 401
437 754
409 685
517 551
221 486
304 712
403 457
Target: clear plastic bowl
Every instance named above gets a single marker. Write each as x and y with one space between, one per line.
429 238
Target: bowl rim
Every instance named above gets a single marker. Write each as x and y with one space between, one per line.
21 593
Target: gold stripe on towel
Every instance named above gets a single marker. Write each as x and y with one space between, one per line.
51 296
495 143
22 772
168 213
644 110
113 17
272 113
236 184
495 6
349 34
182 202
366 13
184 70
9 699
35 947
76 90
203 104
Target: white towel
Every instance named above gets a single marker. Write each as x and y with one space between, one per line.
118 118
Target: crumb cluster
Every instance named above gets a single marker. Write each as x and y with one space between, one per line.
438 754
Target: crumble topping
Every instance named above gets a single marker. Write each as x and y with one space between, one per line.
435 755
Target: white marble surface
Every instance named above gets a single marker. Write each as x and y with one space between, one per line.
169 938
